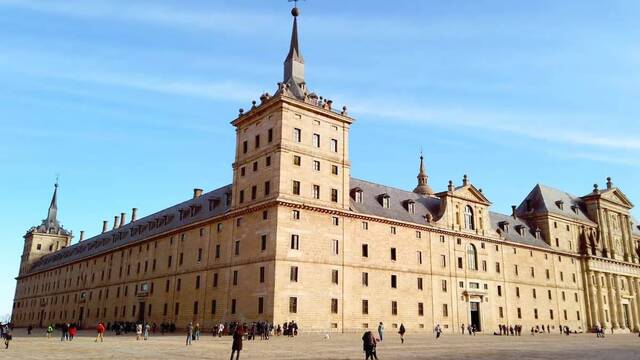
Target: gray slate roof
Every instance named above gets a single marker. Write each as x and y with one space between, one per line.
397 209
194 210
543 199
528 238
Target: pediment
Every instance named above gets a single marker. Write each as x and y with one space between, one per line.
471 193
617 197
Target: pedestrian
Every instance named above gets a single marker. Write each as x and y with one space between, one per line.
29 329
438 331
462 327
138 331
147 327
236 347
369 346
380 330
100 330
196 330
49 331
402 332
189 333
7 337
73 331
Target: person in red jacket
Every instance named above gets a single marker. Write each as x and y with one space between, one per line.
100 329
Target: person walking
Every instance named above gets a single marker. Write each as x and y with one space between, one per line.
100 330
138 331
402 332
147 327
369 346
189 333
236 346
65 332
381 330
49 331
196 330
7 337
438 331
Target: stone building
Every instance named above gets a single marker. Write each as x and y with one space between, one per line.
295 237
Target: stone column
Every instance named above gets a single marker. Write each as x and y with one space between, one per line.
633 289
600 302
591 303
618 302
613 309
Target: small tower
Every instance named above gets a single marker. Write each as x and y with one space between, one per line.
423 187
46 238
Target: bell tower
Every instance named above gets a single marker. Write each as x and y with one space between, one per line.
46 238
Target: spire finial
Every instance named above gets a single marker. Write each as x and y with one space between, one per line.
423 187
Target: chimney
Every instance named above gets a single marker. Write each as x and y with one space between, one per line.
134 214
115 222
197 193
105 224
513 211
122 219
81 235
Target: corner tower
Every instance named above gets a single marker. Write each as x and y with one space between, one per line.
292 145
45 238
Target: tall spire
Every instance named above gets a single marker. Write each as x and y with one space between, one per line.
294 63
53 208
423 187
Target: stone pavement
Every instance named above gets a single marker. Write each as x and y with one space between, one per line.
339 346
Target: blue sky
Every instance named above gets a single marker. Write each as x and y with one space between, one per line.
130 101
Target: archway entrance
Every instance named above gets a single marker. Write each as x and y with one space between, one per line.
474 308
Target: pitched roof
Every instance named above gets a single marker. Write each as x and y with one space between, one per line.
193 210
547 200
527 237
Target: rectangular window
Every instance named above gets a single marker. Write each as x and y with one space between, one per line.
500 312
244 147
296 187
295 214
267 161
168 261
445 310
334 195
316 191
334 306
517 291
217 251
365 279
515 268
535 313
394 308
334 277
213 306
235 277
334 169
316 165
365 307
257 141
334 145
293 274
241 196
394 281
297 135
233 306
270 135
519 313
195 308
365 250
297 160
198 282
237 248
254 192
263 242
444 285
419 283
443 261
295 242
499 290
393 254
335 220
260 305
419 257
176 308
498 267
215 280
293 305
420 309
261 274
316 140
459 263
199 255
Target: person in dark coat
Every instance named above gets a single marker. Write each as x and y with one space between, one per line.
369 346
401 332
236 347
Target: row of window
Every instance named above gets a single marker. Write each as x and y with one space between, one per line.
256 141
315 142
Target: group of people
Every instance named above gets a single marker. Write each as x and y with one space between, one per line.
509 330
471 329
69 331
6 333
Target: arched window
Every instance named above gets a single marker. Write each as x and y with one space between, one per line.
468 218
472 257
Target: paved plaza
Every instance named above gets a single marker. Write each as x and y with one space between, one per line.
339 346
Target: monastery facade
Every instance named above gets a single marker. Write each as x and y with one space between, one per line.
296 237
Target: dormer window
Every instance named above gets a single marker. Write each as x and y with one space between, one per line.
504 225
575 209
410 206
356 194
520 229
385 200
560 204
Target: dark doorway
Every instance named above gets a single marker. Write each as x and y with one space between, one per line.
80 315
42 314
141 312
626 315
475 315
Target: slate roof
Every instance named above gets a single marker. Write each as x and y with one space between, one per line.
528 237
193 210
397 209
544 199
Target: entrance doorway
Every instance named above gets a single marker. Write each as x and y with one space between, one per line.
626 315
141 312
475 315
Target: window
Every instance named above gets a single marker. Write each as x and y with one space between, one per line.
420 309
365 250
334 195
445 310
244 147
235 277
411 207
499 290
316 165
181 259
358 196
255 166
394 281
178 286
386 202
261 274
519 313
267 188
393 230
335 220
472 257
443 260
237 248
270 135
459 263
468 218
393 254
263 242
260 305
334 145
295 242
335 247
242 171
257 141
394 308
420 284
334 277
484 265
241 196
293 305
316 140
316 191
365 225
267 161
198 282
295 214
296 187
233 306
334 306
501 312
215 280
334 169
418 235
365 279
297 160
534 294
293 274
217 251
533 272
297 135
444 285
517 291
365 307
515 269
